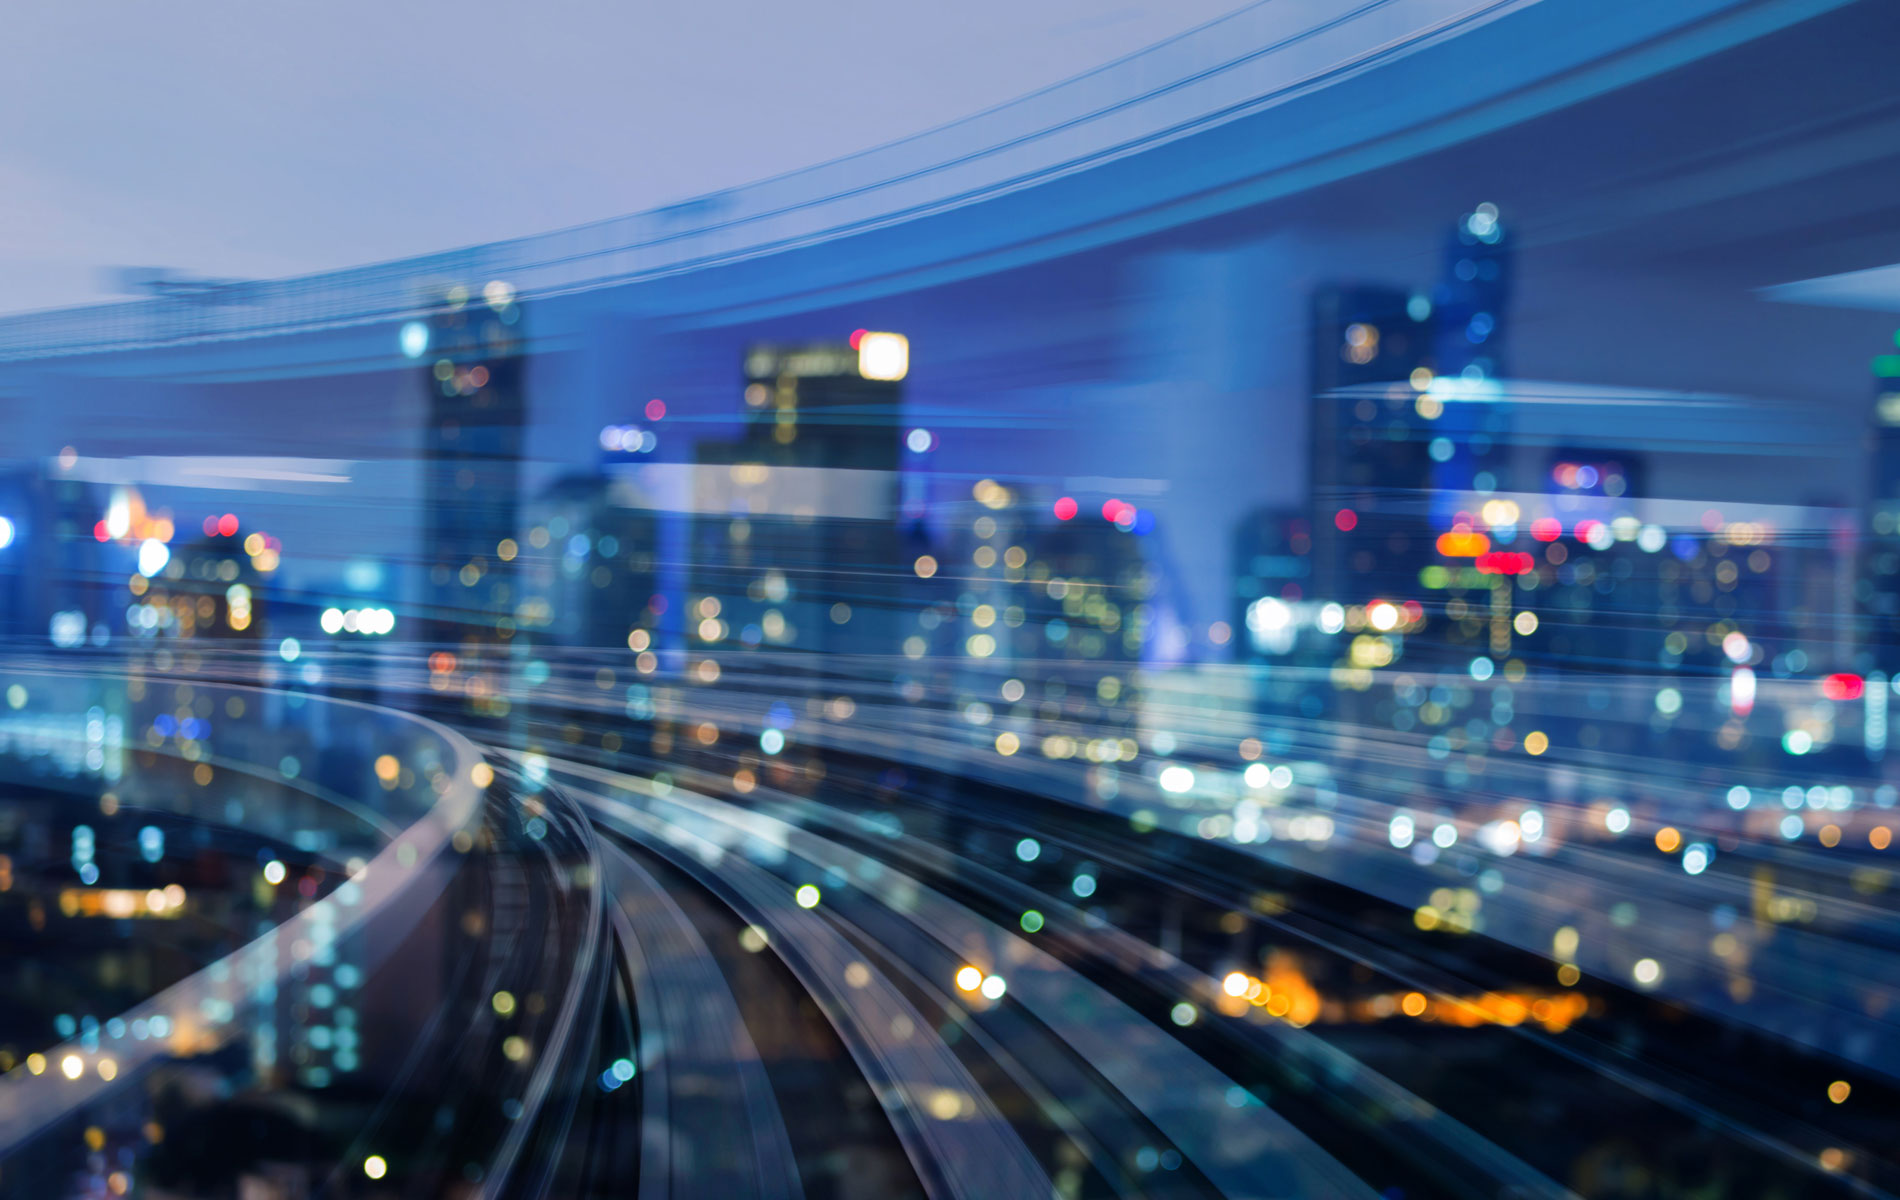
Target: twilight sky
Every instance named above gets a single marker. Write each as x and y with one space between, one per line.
230 138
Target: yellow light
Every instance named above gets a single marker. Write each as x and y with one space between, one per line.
36 1063
969 979
926 566
1536 742
375 1167
1838 1091
1525 623
1007 743
71 1066
108 1069
387 768
503 1003
1413 1004
884 356
1667 839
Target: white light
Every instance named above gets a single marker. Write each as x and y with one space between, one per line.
6 533
1652 538
67 629
1028 850
884 356
771 741
153 555
331 620
993 987
352 620
1382 616
1255 775
1647 971
1500 837
1616 820
498 294
289 649
118 515
918 441
1400 831
1270 625
1669 702
806 896
414 339
1738 797
1531 823
1176 779
1482 668
274 872
1695 859
1797 741
1445 836
1332 618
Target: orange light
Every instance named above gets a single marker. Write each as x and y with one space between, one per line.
1462 544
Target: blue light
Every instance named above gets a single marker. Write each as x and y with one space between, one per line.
415 339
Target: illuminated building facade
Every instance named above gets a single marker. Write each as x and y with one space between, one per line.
50 566
1033 621
214 588
472 448
795 540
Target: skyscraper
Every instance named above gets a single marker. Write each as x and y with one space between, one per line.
471 460
795 539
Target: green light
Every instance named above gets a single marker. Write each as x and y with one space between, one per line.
1887 366
1032 921
1434 577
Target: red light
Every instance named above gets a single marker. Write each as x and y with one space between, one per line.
1547 529
1113 510
99 531
1585 529
1065 508
656 408
857 335
228 525
1505 562
1843 687
1414 612
1345 519
211 526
